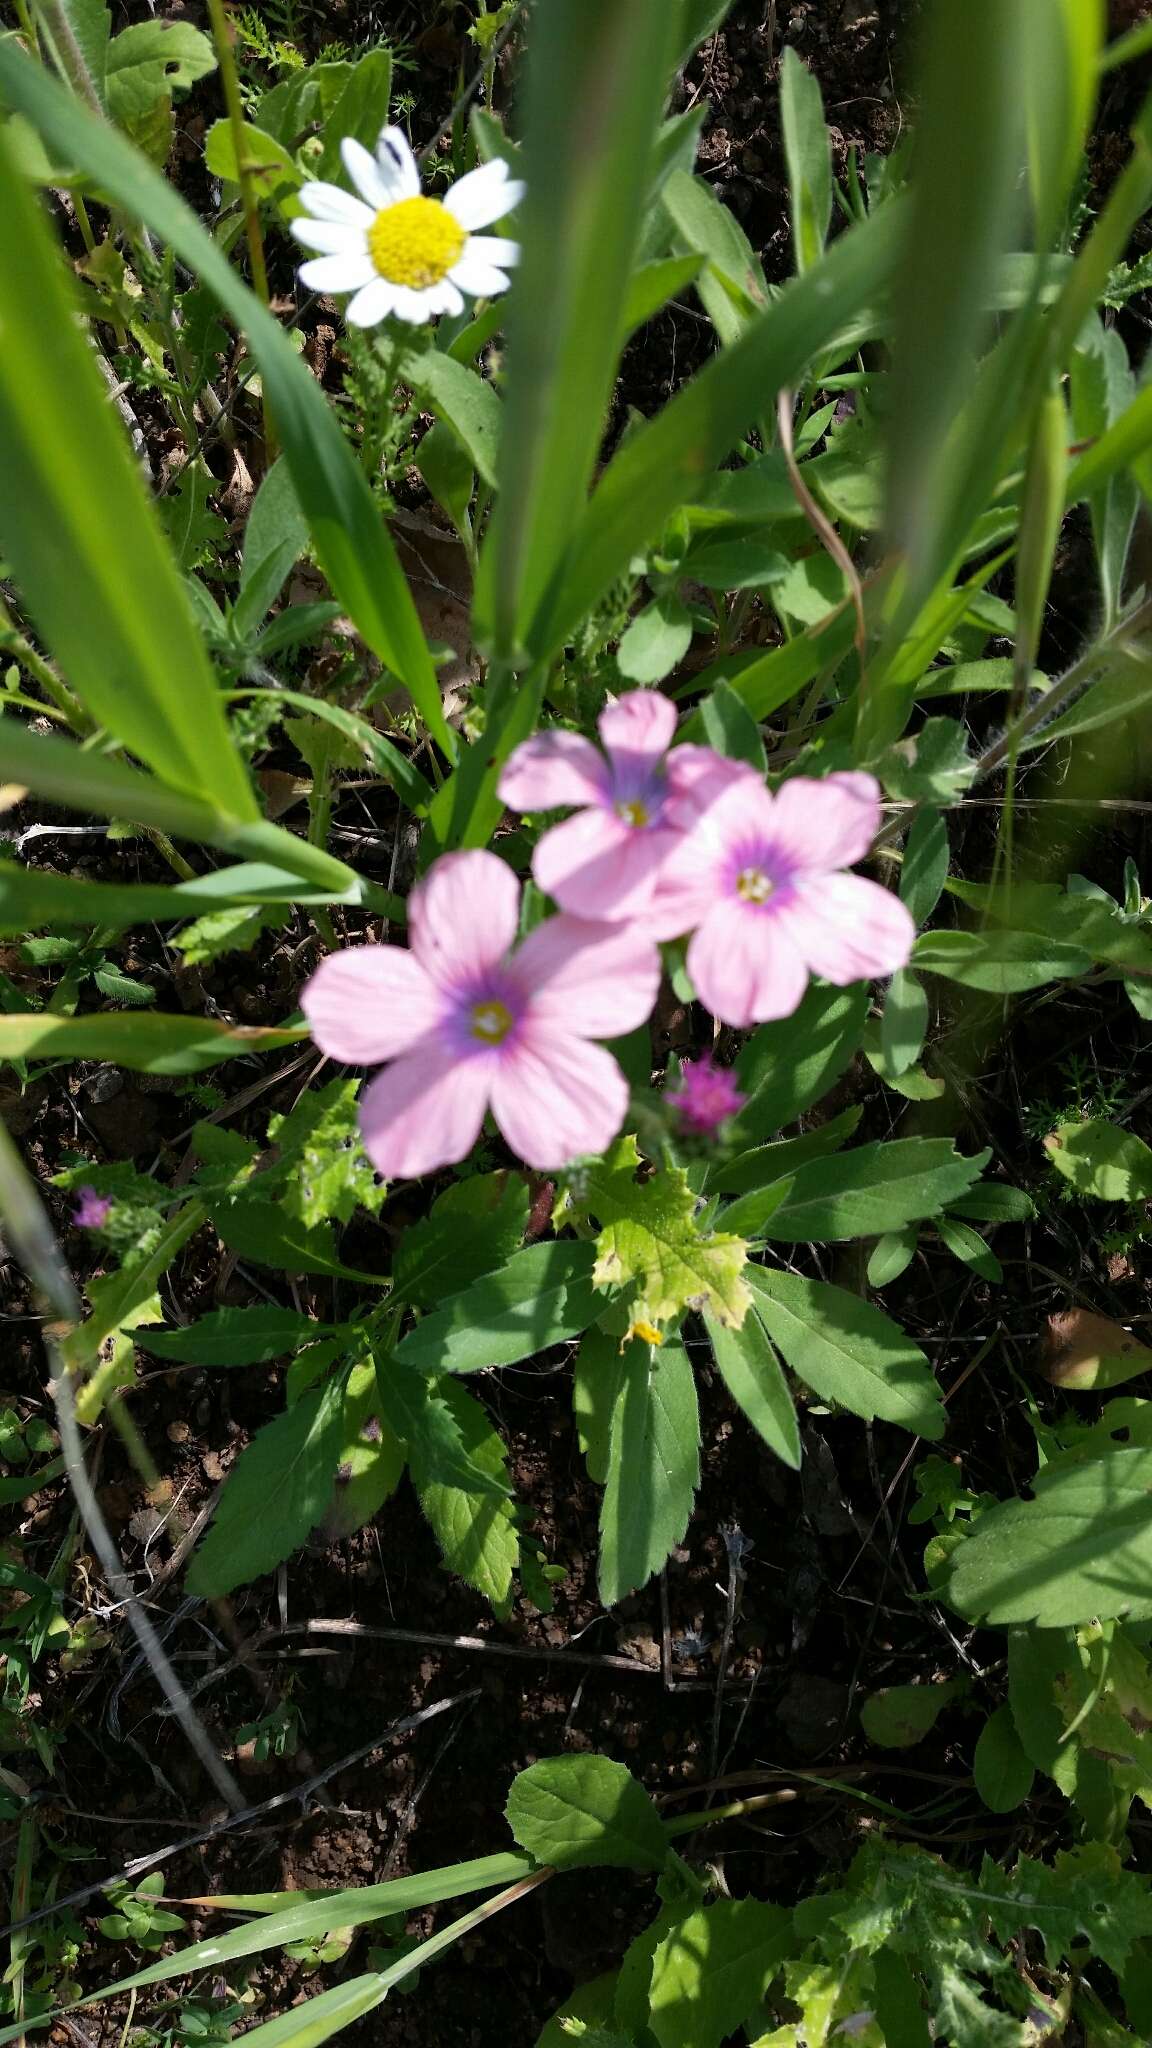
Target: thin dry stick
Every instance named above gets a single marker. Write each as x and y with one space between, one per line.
522 1652
821 525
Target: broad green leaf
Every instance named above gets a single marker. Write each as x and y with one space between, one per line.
267 161
924 869
902 1715
274 540
596 1376
1001 961
891 1255
659 467
448 473
147 1043
848 1351
730 728
420 1412
92 564
1038 1663
34 897
653 1466
787 1066
808 159
968 1245
476 1532
268 1233
654 284
1081 1549
581 1812
655 641
711 1972
91 782
325 1172
732 287
904 1023
370 1460
597 74
994 1201
764 1166
864 1193
650 1241
234 1336
543 1295
933 767
1098 1158
361 109
474 1225
351 541
91 24
751 1372
146 63
1002 1772
275 1494
465 402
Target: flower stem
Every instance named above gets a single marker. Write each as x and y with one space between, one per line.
69 55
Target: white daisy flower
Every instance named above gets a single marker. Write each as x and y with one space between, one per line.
398 251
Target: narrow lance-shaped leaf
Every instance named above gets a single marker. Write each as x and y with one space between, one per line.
351 541
596 79
83 540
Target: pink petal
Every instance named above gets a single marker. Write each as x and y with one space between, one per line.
462 917
848 929
731 812
557 1098
827 824
598 867
686 887
551 769
640 723
698 775
586 980
425 1110
745 966
369 1004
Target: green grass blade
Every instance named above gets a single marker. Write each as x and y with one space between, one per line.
32 898
596 83
94 784
807 155
139 1039
85 544
662 465
351 540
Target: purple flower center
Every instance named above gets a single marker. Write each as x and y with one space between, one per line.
756 873
637 787
485 1012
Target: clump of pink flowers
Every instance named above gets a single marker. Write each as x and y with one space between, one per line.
92 1210
664 842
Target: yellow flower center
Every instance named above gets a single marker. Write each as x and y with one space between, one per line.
491 1022
415 242
633 811
754 885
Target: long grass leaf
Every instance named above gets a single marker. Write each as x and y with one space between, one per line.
351 540
85 544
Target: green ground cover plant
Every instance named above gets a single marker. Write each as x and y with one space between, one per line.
720 655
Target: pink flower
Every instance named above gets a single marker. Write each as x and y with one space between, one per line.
707 1096
605 862
92 1210
758 882
469 1024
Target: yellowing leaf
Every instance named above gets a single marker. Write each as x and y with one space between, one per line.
650 1238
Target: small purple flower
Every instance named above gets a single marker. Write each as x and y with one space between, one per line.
707 1096
92 1210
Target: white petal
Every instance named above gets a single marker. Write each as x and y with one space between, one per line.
483 195
416 307
493 249
373 303
397 165
362 169
477 277
338 273
331 237
450 299
331 202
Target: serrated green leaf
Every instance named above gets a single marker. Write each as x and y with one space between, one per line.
767 1166
864 1193
275 1494
650 1240
326 1170
581 1812
371 1458
710 1974
1002 1772
273 1237
787 1066
751 1372
419 1411
848 1351
476 1532
655 641
1101 1160
924 869
234 1336
653 1467
596 1377
543 1295
1081 1548
472 1227
223 932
